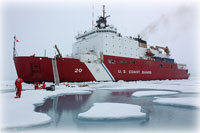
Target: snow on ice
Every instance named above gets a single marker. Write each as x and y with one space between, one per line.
179 101
185 85
20 112
152 93
102 111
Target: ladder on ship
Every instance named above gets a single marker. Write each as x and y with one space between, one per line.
55 71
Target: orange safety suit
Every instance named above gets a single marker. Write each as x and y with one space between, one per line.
18 85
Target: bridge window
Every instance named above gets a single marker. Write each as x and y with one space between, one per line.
161 65
123 61
132 62
111 61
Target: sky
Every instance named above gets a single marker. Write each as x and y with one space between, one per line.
39 25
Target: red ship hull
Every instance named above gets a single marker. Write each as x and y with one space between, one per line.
144 70
32 69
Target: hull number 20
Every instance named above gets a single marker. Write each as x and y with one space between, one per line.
78 70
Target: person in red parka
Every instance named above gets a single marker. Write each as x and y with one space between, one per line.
43 85
18 85
37 85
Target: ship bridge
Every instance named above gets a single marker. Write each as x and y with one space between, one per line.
96 30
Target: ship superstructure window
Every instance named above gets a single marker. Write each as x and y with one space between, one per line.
111 61
85 34
106 31
161 65
123 61
132 62
90 33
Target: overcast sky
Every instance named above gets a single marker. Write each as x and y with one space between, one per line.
41 25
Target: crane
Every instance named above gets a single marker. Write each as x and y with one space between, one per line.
166 49
59 54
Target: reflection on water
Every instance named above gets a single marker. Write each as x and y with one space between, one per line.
64 112
57 106
122 92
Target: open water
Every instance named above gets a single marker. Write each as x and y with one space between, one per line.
64 112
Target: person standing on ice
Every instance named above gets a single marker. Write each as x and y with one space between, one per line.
18 85
43 85
37 85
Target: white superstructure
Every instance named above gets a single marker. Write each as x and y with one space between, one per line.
104 39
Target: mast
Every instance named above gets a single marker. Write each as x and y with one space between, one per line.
104 11
14 50
102 21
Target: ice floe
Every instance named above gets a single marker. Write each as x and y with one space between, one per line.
179 101
20 112
184 85
152 93
110 111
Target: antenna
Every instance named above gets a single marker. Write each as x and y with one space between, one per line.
102 22
14 50
45 53
104 11
92 15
